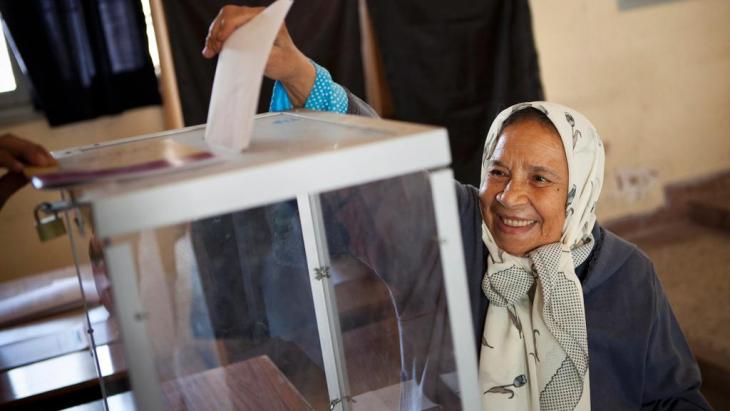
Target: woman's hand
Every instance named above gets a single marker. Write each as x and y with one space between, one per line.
15 154
286 63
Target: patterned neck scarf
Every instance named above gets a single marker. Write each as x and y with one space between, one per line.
534 353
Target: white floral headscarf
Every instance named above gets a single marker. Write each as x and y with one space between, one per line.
534 353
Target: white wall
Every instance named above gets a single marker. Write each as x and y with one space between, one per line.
654 80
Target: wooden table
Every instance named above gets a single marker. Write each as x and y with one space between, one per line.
47 365
254 384
62 381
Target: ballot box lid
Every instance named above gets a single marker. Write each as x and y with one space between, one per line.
291 153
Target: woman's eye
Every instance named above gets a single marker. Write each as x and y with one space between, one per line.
496 172
541 179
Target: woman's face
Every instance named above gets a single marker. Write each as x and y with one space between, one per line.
525 189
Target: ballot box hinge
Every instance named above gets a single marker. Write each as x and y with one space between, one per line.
321 272
336 401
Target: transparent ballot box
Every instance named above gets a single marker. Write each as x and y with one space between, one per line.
322 268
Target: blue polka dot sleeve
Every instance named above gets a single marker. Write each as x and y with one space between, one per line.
326 95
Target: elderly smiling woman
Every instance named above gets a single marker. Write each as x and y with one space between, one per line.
570 316
541 176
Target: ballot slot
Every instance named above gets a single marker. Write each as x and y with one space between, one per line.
290 153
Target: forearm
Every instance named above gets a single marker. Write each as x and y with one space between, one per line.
300 84
322 94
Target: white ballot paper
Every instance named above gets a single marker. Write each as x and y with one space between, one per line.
238 78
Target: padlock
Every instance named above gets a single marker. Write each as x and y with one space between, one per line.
50 226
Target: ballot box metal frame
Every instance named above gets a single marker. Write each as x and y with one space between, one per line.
274 170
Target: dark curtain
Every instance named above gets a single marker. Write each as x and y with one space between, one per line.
457 64
84 58
327 31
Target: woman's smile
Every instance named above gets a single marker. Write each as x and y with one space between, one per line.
515 225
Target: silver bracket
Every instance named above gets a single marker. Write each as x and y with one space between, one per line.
334 402
62 206
321 272
57 206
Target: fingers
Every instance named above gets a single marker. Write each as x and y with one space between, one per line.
9 184
212 46
10 162
15 152
235 19
226 22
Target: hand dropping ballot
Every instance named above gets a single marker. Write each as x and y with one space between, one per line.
233 103
238 77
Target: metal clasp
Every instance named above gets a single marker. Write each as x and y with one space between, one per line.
334 402
321 272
